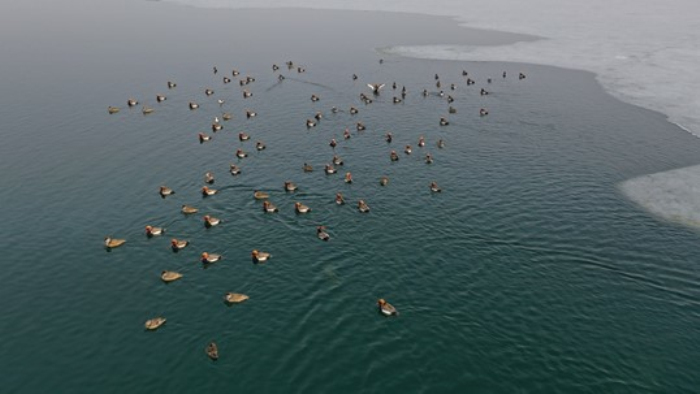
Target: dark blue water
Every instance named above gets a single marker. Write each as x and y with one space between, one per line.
529 273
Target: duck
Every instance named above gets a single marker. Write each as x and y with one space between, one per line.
166 191
354 77
388 137
250 114
290 186
210 221
383 181
408 150
113 110
375 87
346 134
353 111
444 122
453 86
227 116
247 94
260 145
452 110
235 298
258 195
208 192
339 199
216 70
315 98
301 208
483 92
275 67
209 178
227 80
348 177
243 82
160 98
155 323
333 143
434 187
397 100
319 115
171 85
362 206
301 70
310 123
170 276
212 351
241 154
438 84
269 207
393 86
334 110
235 72
441 143
425 93
177 244
113 242
307 167
243 137
221 102
234 170
428 159
154 231
249 79
322 234
337 161
204 138
504 74
437 77
209 258
521 76
386 308
464 73
193 105
216 126
188 209
259 257
147 110
421 141
483 112
208 92
132 102
450 99
360 126
394 156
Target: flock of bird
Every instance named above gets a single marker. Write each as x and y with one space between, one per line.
257 256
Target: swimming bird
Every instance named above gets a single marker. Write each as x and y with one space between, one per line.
112 110
247 94
452 110
334 110
113 242
147 110
315 98
504 74
193 105
260 145
243 136
235 298
258 195
154 231
444 122
362 206
360 126
234 170
521 76
383 181
301 70
235 72
483 92
209 178
441 143
171 85
348 177
353 111
438 84
408 150
464 73
241 154
155 323
281 77
322 234
428 159
275 67
310 123
209 258
170 276
166 191
483 112
210 221
354 77
388 137
318 115
208 192
301 208
339 199
425 92
307 167
212 351
269 207
393 156
226 116
337 161
131 102
346 134
434 187
216 127
221 102
375 87
333 143
208 92
160 98
386 308
177 244
204 138
227 79
259 257
250 114
216 70
452 86
393 85
290 186
450 99
397 100
421 141
188 209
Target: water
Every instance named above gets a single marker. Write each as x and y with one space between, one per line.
531 272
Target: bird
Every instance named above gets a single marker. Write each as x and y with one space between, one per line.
353 111
434 187
113 242
375 87
444 122
209 258
393 156
421 141
154 231
441 143
333 143
193 105
348 177
483 112
315 98
187 209
247 94
235 298
301 208
131 102
177 244
226 116
212 351
259 257
397 100
383 181
269 207
386 308
250 114
209 178
221 102
290 186
319 115
210 221
208 192
260 145
307 168
346 135
337 161
145 110
258 195
362 206
428 159
208 92
160 98
171 85
204 138
339 199
322 234
241 154
360 126
170 276
155 323
216 126
329 169
310 123
234 170
408 150
166 191
388 137
243 136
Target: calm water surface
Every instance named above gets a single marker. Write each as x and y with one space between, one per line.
530 273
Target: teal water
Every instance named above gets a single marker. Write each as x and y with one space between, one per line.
530 273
